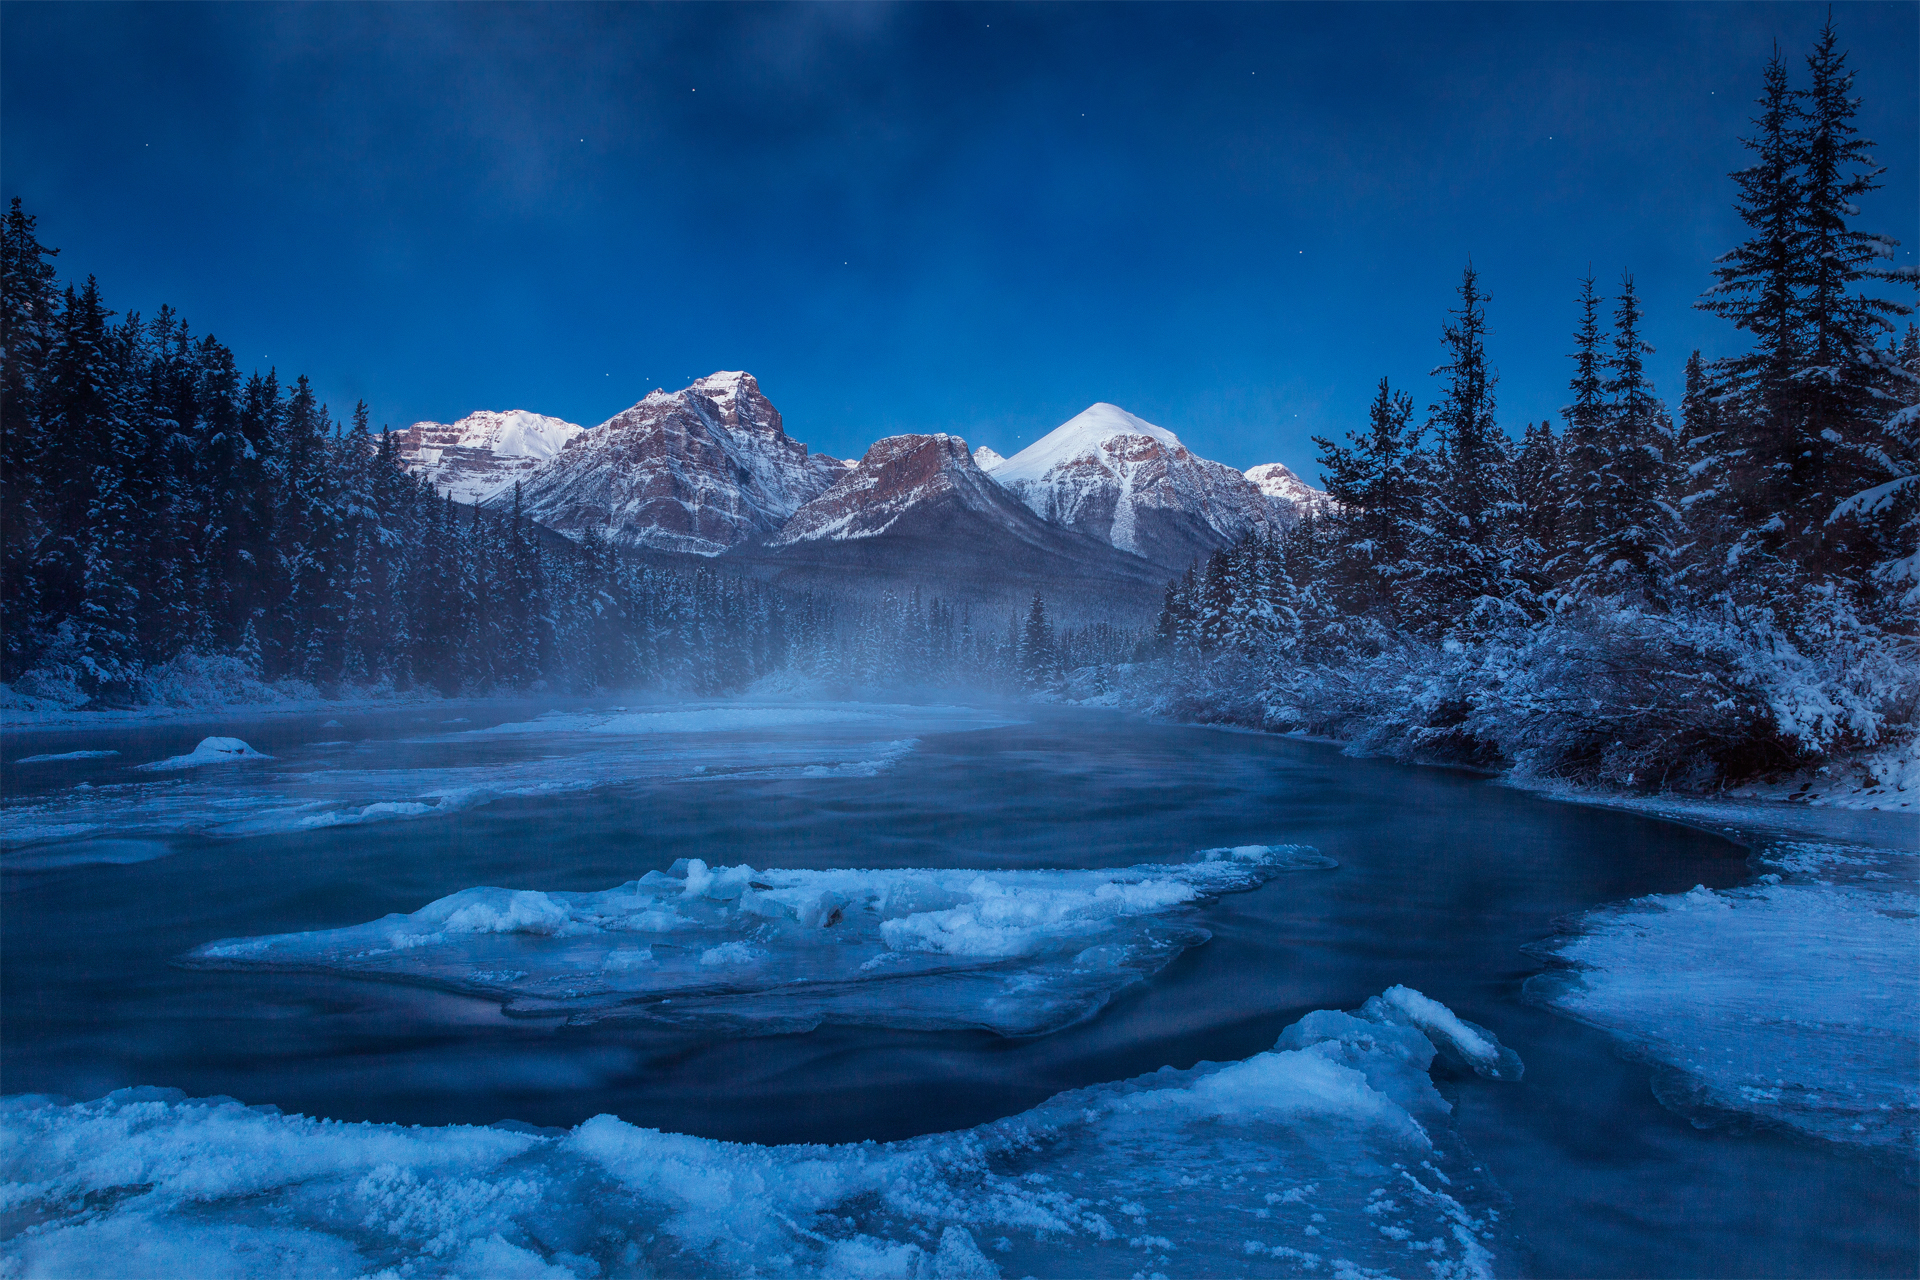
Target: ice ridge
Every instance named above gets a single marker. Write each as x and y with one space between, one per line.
755 952
1330 1154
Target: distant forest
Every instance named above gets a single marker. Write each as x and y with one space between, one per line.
168 519
1626 597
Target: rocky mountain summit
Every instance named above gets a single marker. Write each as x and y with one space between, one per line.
483 454
1292 495
1134 486
697 470
917 511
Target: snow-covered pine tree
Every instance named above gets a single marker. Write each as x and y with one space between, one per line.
1846 388
29 301
1627 516
1377 501
1755 288
1037 661
1462 566
1581 453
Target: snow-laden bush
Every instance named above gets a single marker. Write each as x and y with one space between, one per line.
204 680
1610 691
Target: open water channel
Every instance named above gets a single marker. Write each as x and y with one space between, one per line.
112 876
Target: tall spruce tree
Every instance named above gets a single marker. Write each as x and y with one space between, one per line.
1463 570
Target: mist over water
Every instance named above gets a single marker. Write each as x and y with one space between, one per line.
1441 879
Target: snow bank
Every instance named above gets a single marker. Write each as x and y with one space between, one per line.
210 751
66 755
754 952
1795 1001
1328 1155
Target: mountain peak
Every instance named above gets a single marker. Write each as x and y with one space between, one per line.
1086 431
1281 484
696 470
1114 476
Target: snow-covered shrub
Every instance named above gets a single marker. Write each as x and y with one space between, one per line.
204 680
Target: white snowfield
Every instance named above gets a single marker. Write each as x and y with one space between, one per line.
736 950
1329 1155
210 751
1795 1001
330 784
483 454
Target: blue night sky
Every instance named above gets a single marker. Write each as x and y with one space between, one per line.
970 218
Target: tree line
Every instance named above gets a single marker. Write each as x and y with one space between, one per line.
159 507
1627 596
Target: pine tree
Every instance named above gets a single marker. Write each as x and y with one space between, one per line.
1378 502
1036 654
1462 569
1581 454
28 318
1627 515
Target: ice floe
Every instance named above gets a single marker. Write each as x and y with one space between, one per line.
1329 1155
733 948
1795 1000
66 755
210 751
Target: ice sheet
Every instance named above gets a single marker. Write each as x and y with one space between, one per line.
1328 1156
1795 1001
323 785
746 951
66 755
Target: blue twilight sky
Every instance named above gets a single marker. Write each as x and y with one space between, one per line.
1231 220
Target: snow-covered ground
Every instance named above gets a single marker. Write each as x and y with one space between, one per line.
335 783
733 950
1792 1001
1328 1155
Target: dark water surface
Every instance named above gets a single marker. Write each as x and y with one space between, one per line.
1443 879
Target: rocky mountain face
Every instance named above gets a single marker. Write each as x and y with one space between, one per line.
1096 515
1291 495
696 471
482 455
1118 478
917 510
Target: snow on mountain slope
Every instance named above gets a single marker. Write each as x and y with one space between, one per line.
480 456
918 512
897 474
1119 478
1288 491
986 459
698 470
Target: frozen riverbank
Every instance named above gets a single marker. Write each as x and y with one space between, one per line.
1793 1000
1331 1154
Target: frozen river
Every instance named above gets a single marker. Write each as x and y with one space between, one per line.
549 914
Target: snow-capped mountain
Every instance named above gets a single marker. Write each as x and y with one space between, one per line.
918 511
698 470
1119 478
1287 490
480 456
901 476
986 459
